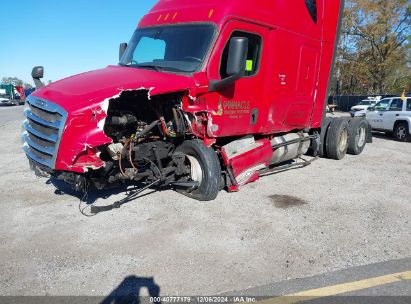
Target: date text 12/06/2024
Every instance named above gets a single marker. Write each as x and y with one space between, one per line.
203 299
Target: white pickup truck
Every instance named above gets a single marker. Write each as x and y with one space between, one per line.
361 109
392 115
3 97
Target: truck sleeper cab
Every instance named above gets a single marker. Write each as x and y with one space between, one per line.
207 95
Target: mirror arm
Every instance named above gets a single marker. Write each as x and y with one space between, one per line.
38 83
216 85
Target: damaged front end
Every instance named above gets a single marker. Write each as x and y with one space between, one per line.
131 136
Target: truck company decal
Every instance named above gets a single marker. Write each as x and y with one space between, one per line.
232 107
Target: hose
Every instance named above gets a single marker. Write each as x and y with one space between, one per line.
128 145
130 154
120 159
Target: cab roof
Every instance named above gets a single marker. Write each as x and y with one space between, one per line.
295 15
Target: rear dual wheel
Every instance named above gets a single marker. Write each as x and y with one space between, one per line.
325 125
337 139
341 136
358 132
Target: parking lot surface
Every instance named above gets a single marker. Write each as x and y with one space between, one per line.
9 114
327 217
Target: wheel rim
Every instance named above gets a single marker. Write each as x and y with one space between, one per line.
343 143
401 132
361 135
195 169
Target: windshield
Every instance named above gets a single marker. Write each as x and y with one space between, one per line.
178 48
364 103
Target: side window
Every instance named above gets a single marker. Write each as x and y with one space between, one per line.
312 9
382 105
408 104
253 57
396 105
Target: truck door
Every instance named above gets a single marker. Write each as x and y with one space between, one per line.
293 80
375 117
394 111
238 109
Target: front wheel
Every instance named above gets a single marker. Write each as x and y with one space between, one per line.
204 167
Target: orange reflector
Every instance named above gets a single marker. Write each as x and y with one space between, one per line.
210 13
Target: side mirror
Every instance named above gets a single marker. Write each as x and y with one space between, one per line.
122 49
372 109
236 63
237 56
37 73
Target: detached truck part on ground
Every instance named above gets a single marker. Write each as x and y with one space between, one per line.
207 95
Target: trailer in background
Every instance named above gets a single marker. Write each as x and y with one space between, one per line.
20 95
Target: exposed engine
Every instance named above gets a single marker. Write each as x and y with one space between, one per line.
145 133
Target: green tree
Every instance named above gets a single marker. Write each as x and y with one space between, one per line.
374 52
12 80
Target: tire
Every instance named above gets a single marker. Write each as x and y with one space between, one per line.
401 132
324 130
205 158
357 137
337 139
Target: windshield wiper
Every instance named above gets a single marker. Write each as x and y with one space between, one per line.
157 68
150 66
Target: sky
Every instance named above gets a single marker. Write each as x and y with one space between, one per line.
67 37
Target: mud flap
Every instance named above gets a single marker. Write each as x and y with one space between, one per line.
369 134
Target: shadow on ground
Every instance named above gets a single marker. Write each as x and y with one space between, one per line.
128 292
386 136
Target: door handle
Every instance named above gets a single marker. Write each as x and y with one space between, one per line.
381 114
397 114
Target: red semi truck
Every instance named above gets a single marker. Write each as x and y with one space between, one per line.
207 95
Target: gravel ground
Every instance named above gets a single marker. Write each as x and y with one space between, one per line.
9 114
329 216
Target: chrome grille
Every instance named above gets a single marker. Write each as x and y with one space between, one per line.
42 130
53 117
39 141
